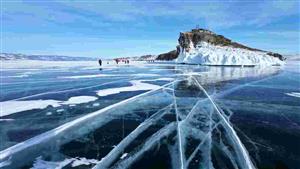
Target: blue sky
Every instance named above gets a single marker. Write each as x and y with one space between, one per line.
133 28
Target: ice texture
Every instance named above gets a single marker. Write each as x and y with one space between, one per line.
197 118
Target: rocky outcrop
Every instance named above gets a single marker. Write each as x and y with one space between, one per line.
190 46
169 55
189 40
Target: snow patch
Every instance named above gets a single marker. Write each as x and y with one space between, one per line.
83 161
96 104
137 85
293 94
14 106
11 107
60 110
49 113
80 99
124 155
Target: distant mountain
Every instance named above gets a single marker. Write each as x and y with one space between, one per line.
13 56
201 46
139 58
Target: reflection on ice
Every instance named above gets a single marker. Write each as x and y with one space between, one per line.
215 74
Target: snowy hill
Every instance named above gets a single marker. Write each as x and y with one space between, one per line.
13 56
201 46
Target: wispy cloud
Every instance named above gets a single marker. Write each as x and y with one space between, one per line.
214 14
145 20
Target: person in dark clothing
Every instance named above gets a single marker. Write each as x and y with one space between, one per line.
100 62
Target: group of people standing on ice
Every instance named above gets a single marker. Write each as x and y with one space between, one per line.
126 61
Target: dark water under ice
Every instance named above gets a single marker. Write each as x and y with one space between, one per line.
172 116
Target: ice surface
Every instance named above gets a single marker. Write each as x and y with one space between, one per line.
69 131
183 116
204 122
187 127
37 64
208 54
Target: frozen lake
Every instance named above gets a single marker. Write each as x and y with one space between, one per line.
141 115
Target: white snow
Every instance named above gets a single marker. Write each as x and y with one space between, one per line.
49 113
293 94
60 110
80 99
208 54
96 104
83 161
10 107
14 106
123 155
137 85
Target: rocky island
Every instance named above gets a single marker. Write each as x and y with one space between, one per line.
201 46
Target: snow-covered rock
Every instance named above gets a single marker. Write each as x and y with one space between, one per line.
208 54
204 47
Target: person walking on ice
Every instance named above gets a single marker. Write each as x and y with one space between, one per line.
100 62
